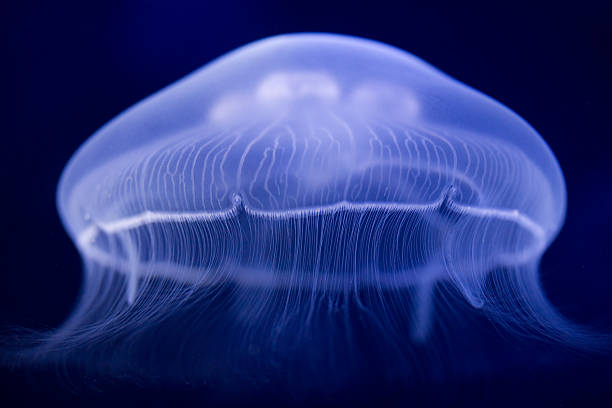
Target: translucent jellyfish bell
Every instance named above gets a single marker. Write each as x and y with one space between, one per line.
261 211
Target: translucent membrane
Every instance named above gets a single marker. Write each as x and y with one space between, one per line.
300 205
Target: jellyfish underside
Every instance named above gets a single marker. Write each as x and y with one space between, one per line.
298 195
375 245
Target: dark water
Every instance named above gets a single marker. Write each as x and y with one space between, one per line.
69 68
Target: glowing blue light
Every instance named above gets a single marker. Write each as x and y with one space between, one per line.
239 215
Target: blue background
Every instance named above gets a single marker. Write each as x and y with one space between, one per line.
70 67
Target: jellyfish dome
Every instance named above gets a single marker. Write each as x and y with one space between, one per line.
302 204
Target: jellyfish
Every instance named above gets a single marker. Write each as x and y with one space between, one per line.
299 208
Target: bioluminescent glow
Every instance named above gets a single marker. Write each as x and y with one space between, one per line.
301 205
